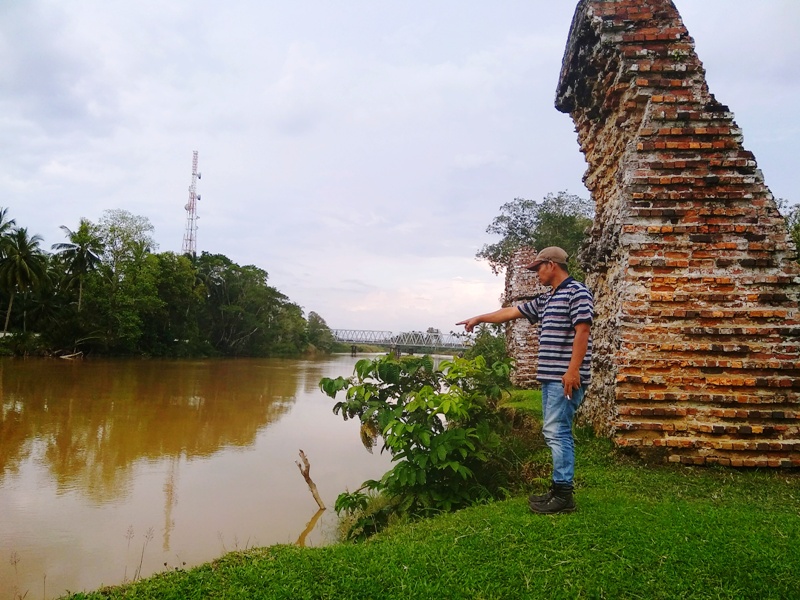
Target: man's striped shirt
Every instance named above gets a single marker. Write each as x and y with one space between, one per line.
557 314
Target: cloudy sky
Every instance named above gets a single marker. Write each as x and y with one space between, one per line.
356 150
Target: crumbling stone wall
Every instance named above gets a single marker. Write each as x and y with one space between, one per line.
697 335
522 338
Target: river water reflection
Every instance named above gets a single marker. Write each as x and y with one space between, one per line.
103 462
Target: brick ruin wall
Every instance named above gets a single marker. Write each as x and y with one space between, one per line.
697 334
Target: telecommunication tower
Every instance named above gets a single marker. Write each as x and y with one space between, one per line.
190 236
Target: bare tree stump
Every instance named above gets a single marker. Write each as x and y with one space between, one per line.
304 469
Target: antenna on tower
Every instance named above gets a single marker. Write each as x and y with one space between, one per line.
190 236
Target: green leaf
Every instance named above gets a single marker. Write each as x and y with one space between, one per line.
363 368
331 386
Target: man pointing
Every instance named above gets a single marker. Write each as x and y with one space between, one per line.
565 317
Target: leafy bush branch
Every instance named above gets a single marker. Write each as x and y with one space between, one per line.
437 423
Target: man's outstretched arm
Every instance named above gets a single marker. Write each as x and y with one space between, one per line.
501 315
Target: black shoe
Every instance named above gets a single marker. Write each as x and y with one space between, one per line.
561 501
542 497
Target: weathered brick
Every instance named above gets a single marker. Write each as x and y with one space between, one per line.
696 289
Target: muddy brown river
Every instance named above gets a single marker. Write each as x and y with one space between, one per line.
111 470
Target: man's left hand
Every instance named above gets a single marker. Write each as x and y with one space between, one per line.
571 380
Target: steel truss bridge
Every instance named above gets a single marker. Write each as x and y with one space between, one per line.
449 341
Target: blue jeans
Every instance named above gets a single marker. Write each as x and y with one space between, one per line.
557 414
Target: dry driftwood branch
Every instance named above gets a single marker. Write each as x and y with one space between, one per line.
304 469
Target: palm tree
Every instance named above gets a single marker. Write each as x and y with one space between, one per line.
6 227
82 252
45 307
23 266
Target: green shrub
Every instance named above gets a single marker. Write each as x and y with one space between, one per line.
490 343
439 424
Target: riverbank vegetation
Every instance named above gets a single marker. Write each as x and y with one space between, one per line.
441 426
639 532
106 290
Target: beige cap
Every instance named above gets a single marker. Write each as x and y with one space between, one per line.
549 254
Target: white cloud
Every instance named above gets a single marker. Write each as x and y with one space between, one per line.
354 150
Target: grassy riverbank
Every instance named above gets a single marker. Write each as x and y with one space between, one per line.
639 532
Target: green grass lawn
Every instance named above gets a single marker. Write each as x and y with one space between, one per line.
639 532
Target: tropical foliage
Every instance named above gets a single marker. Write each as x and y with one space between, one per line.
319 334
81 254
560 219
490 343
106 290
438 425
23 268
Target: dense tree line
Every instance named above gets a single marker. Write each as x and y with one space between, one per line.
105 290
